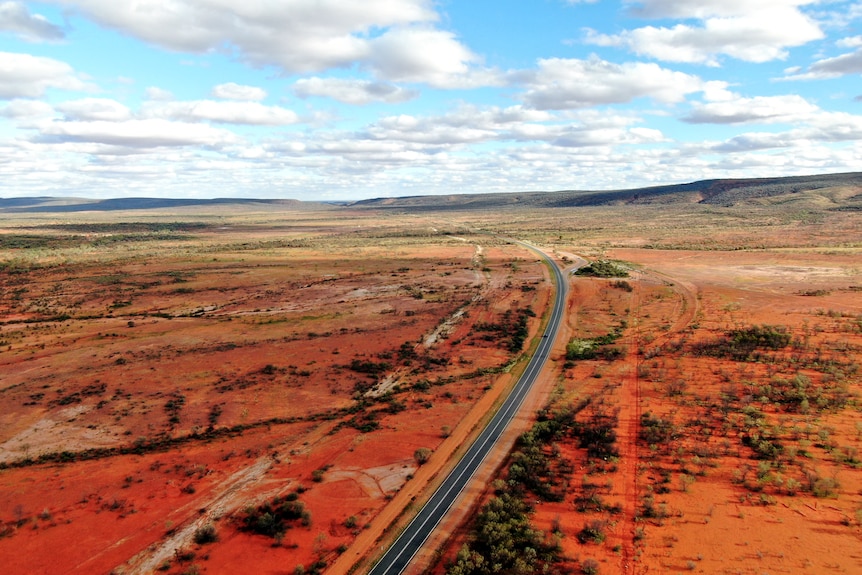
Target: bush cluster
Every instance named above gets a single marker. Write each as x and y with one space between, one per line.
273 518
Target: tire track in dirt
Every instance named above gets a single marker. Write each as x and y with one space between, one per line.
443 329
686 311
687 307
629 421
230 495
229 498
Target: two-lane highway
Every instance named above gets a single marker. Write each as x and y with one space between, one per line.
401 553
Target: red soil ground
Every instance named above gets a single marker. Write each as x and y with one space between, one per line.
147 395
193 377
714 505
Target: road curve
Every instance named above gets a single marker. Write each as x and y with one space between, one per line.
402 551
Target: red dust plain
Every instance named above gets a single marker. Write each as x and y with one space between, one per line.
165 377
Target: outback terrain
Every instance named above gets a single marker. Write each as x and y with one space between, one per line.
268 387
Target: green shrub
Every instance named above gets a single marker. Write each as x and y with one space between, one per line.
206 534
603 269
590 567
274 518
593 532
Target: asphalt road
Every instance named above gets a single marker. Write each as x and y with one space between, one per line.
401 553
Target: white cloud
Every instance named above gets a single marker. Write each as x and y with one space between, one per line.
95 109
760 109
851 42
424 55
27 76
232 91
16 18
707 8
820 128
751 35
839 14
579 137
467 124
842 65
257 28
431 130
158 94
560 84
394 38
834 127
473 125
756 141
26 110
141 134
227 112
352 91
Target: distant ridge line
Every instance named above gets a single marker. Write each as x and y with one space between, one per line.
714 191
719 192
48 204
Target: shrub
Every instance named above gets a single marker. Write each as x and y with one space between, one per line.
593 532
741 344
603 269
590 567
274 518
206 534
422 455
598 436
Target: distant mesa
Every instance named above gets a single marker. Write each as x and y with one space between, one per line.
830 191
61 205
826 191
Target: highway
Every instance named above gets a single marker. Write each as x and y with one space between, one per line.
402 551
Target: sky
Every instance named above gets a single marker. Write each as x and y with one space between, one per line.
352 99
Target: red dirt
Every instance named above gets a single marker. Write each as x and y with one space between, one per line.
230 375
189 379
707 520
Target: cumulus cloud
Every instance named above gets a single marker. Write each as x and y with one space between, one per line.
27 76
842 65
26 109
425 55
259 29
756 141
140 134
467 124
232 91
760 109
95 109
559 84
396 39
473 125
158 94
581 137
433 130
851 42
834 127
295 35
739 29
353 91
822 127
16 18
706 8
226 112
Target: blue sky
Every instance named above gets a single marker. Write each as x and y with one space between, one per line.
344 100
